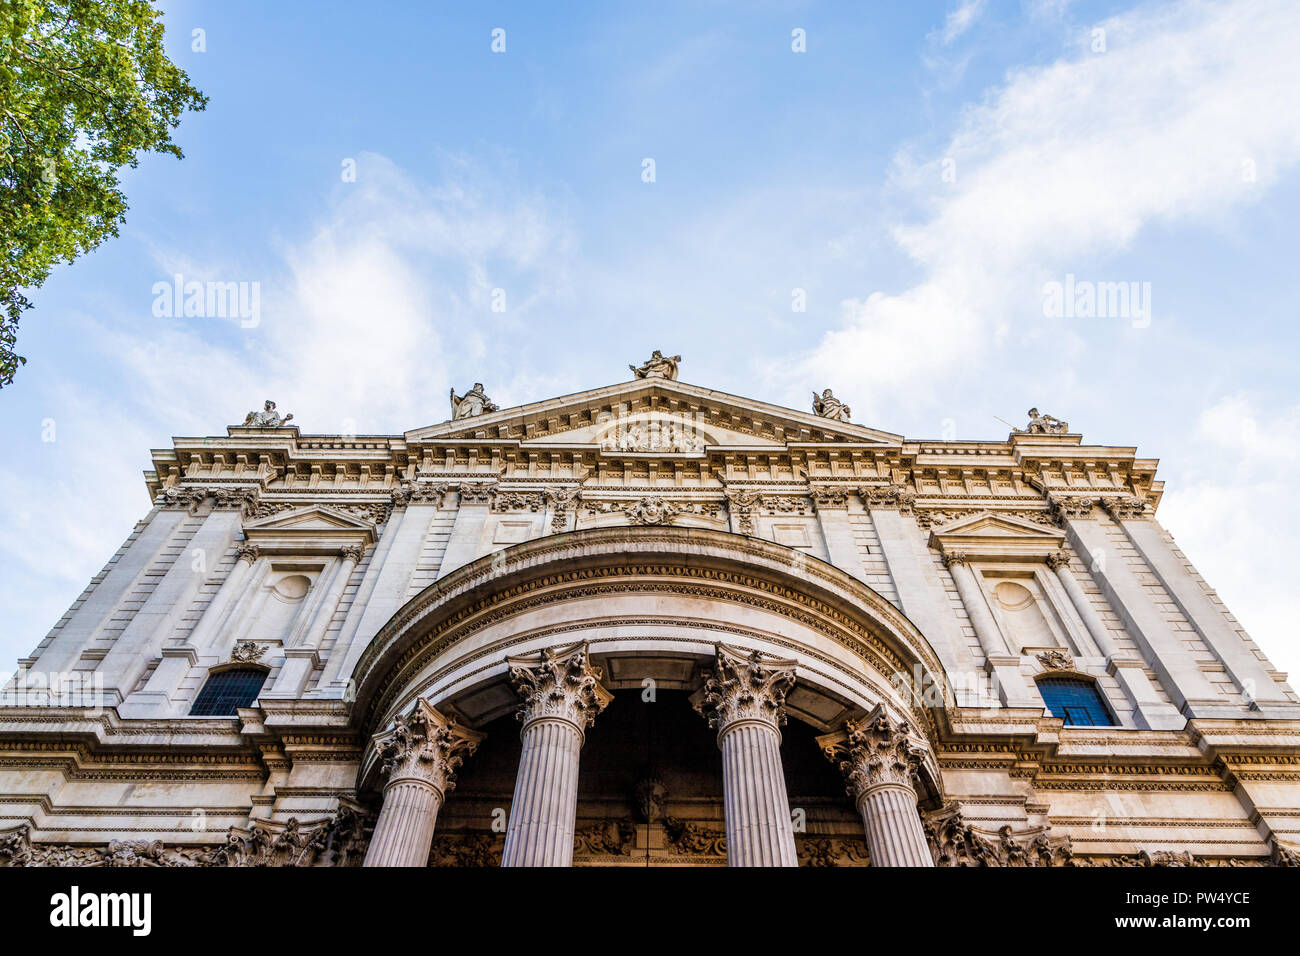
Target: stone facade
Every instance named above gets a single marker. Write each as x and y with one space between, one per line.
646 624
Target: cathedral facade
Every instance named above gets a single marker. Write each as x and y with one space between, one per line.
649 624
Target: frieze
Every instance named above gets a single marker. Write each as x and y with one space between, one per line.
608 838
467 849
832 851
337 841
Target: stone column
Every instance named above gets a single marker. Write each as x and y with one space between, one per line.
562 695
1002 661
420 755
880 762
743 699
1060 563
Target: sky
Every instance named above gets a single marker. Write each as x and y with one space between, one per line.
874 197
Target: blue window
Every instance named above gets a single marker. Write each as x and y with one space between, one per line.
1076 701
228 690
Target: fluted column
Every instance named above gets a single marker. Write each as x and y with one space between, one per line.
1000 659
879 763
1060 563
743 699
420 755
562 695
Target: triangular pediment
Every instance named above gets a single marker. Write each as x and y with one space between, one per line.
991 524
310 518
662 409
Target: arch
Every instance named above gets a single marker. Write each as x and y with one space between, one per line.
663 593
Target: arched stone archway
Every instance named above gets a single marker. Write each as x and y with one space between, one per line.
663 607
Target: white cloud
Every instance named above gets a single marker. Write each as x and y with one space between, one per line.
1072 160
364 321
960 20
1226 517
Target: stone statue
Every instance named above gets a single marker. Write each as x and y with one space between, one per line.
828 406
472 403
657 366
1043 425
268 417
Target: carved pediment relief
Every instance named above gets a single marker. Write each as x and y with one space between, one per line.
311 529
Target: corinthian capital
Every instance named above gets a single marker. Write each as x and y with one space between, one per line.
746 686
876 751
559 683
426 746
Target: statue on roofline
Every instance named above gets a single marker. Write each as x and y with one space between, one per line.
472 403
658 366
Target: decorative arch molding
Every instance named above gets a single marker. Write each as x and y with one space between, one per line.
801 602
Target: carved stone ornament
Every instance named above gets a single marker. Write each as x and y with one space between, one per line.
609 838
1043 425
832 851
419 492
1056 660
561 499
426 746
651 799
477 494
243 500
467 849
829 497
559 683
693 839
651 511
741 505
1064 507
352 552
746 686
954 842
951 558
247 652
939 519
657 366
187 498
337 841
1124 508
827 405
1058 559
471 404
510 501
268 417
874 752
247 551
889 496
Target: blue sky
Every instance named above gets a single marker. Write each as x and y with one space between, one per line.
920 172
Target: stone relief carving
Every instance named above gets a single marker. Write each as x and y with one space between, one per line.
472 403
268 417
1056 660
889 496
1122 508
508 501
1058 559
653 509
247 652
746 686
693 839
338 841
1043 425
651 797
832 851
741 505
657 366
559 682
610 838
562 498
828 406
1064 507
665 437
954 842
468 849
418 492
830 497
477 494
